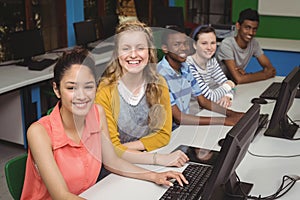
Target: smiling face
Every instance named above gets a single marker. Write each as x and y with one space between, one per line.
246 31
206 45
177 47
77 90
133 51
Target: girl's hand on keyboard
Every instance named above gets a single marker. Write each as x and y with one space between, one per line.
177 159
164 178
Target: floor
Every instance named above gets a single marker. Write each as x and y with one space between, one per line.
7 151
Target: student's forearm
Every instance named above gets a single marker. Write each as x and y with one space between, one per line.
151 141
199 120
124 168
212 106
251 77
212 121
139 157
135 145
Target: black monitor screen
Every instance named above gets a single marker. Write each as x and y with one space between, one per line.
169 16
26 44
279 125
108 25
85 32
223 181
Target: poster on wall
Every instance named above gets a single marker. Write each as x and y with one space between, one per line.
288 8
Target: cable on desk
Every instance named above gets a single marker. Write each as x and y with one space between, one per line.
282 190
273 156
295 124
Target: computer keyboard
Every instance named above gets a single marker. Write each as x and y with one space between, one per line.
262 122
40 65
272 91
197 175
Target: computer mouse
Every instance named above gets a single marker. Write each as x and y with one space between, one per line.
259 101
221 142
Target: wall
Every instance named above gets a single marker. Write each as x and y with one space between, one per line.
283 61
75 13
273 27
279 7
270 26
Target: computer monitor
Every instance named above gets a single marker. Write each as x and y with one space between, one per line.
26 44
169 16
108 25
85 32
223 183
279 125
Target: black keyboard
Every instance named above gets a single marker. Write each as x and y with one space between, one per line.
262 123
272 91
40 65
197 175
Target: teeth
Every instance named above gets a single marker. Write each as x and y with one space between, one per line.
80 104
133 62
182 55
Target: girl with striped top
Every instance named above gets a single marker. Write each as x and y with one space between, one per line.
206 70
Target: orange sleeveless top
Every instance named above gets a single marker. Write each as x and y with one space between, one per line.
79 164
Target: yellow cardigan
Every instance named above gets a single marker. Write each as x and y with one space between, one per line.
108 97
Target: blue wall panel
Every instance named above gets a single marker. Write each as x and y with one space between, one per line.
75 13
283 61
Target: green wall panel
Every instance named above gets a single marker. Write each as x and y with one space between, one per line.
270 26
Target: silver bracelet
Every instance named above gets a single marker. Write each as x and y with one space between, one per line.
154 158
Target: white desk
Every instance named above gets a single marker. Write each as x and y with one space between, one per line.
265 173
15 78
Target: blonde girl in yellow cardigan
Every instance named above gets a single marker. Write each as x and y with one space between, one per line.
136 99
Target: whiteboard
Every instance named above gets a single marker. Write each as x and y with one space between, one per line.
289 8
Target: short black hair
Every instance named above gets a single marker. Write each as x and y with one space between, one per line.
170 30
248 14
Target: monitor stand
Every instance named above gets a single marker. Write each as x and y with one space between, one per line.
232 190
235 190
283 130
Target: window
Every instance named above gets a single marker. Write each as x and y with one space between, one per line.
209 11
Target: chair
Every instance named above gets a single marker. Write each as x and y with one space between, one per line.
15 173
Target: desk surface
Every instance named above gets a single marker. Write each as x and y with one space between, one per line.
265 173
14 77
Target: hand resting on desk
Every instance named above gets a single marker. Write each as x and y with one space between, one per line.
177 159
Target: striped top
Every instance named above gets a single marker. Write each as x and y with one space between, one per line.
210 80
182 86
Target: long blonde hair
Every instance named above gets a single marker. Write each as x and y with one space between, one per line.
114 70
